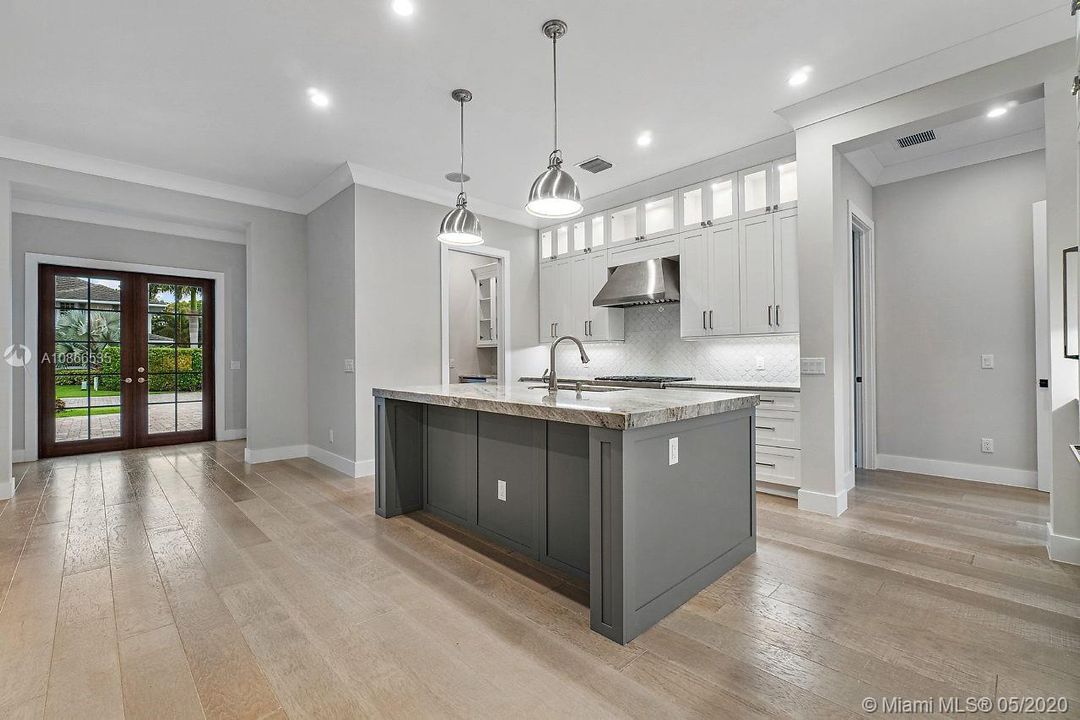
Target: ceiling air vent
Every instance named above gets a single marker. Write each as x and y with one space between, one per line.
919 137
595 165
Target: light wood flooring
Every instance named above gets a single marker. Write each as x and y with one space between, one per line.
179 582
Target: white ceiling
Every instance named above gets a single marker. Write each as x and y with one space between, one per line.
975 139
216 90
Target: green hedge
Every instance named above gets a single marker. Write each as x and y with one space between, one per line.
188 360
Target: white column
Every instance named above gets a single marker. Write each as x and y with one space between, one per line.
7 481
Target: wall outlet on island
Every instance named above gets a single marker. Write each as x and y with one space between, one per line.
502 490
673 451
988 445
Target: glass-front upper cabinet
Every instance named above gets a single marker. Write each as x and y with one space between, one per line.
659 213
624 225
755 191
547 249
786 184
597 227
710 203
577 232
562 240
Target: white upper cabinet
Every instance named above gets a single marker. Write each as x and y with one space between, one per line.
579 241
709 281
785 239
754 193
547 246
659 214
604 324
769 277
624 225
692 202
562 240
786 184
694 284
708 203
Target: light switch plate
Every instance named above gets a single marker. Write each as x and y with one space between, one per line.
760 362
812 366
350 365
987 362
673 451
234 364
502 490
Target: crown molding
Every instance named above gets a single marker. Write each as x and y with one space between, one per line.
48 156
988 151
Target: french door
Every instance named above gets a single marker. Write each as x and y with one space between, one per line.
126 360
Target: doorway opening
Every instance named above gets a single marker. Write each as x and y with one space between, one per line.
475 315
864 397
127 360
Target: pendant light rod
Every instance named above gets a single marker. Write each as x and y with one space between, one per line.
461 96
555 29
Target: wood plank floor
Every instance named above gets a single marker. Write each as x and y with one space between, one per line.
179 582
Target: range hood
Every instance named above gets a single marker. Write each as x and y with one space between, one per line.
641 283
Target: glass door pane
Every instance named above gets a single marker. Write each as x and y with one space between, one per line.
692 208
660 216
562 237
579 236
624 224
596 235
545 244
722 194
787 182
755 191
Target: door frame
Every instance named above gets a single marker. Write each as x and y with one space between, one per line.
865 436
502 300
30 332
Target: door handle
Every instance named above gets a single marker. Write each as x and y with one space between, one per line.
142 380
769 314
127 380
710 320
142 369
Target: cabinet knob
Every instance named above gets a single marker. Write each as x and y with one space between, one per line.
702 223
710 223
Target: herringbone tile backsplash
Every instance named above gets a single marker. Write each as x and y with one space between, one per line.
653 347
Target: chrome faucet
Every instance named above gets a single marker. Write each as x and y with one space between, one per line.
552 378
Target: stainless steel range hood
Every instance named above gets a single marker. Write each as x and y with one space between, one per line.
641 283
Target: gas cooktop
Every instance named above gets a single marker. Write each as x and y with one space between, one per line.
645 378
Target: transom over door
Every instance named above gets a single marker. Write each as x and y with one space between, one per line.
126 360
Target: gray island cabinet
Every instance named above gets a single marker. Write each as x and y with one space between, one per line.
647 493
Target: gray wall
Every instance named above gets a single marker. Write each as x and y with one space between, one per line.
954 281
99 242
330 326
398 297
466 358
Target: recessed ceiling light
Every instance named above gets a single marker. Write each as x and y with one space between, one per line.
644 139
800 76
318 98
997 111
405 8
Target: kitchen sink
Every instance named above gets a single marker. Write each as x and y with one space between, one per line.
584 388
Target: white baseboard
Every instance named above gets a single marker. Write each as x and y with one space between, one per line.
960 471
236 434
7 489
824 503
336 462
365 468
253 457
1062 548
20 456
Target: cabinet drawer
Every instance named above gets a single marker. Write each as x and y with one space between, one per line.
778 428
779 401
644 251
781 466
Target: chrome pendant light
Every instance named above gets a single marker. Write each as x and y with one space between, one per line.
461 226
554 194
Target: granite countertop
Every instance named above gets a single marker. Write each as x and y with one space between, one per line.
620 409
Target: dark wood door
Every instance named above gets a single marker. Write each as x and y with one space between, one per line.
127 360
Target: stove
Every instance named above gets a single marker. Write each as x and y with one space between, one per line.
647 381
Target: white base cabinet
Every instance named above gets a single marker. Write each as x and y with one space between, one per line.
778 444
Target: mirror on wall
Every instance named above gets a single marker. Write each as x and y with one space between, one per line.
1070 283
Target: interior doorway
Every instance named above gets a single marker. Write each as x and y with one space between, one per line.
864 411
475 315
127 360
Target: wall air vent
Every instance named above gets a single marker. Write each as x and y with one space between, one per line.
917 138
595 165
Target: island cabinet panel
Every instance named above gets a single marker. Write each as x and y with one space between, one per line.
399 456
510 465
564 508
451 463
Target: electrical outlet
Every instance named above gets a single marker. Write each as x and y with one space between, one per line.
987 362
234 364
331 436
988 445
350 365
673 451
812 366
760 361
502 490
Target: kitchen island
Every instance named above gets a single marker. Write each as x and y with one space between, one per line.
647 493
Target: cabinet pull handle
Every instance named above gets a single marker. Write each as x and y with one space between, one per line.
763 400
777 316
710 320
768 313
703 326
772 465
765 427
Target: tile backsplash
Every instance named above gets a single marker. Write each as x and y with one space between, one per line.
653 347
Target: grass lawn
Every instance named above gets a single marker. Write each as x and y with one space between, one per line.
81 412
71 391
